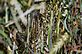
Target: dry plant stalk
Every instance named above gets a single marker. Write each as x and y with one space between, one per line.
18 8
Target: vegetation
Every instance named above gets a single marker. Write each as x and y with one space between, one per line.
40 26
